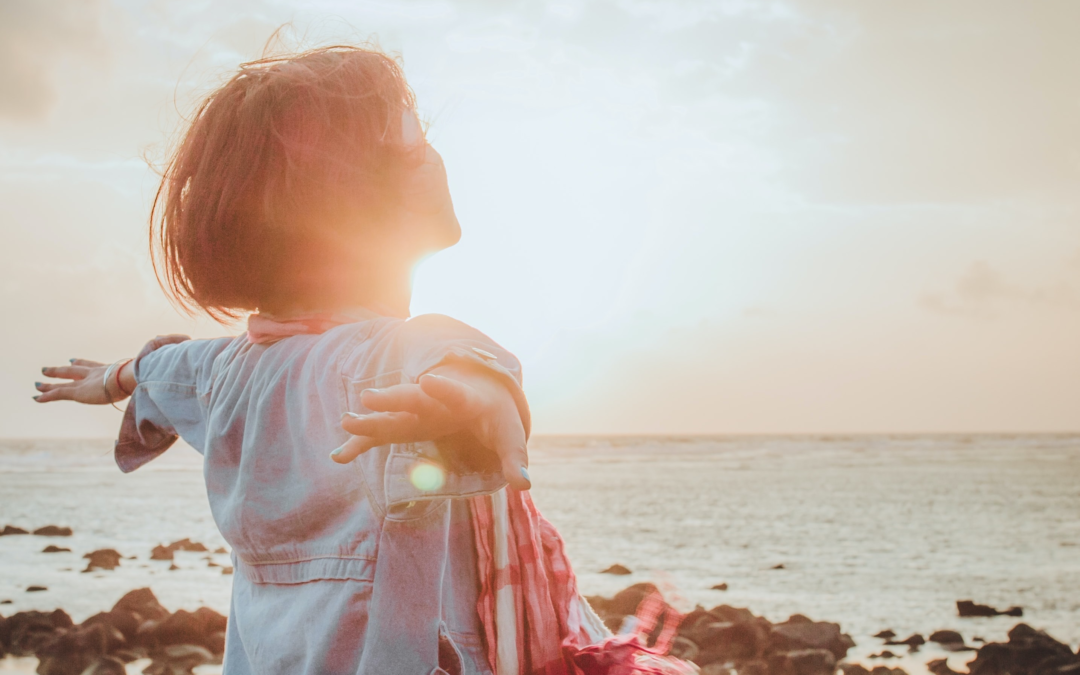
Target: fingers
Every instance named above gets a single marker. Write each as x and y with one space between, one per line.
66 372
86 363
353 448
55 392
457 396
395 427
514 456
399 398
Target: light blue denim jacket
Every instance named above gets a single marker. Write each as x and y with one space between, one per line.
339 568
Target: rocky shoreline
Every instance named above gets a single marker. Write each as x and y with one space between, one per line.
724 640
728 640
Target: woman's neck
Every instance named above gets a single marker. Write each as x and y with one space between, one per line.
385 292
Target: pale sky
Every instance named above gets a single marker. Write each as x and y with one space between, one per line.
683 216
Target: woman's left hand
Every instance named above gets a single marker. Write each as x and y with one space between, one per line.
446 401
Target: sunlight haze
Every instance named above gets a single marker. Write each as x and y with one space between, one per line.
683 217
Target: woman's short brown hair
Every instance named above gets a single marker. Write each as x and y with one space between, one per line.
289 144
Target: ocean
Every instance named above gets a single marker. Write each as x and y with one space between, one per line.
872 532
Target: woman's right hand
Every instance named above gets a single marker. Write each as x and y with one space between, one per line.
85 383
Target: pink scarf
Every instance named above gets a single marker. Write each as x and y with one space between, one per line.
534 620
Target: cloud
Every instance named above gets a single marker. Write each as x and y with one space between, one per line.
35 37
982 290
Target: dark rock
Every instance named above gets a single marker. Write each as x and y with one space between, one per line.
161 552
11 529
53 531
221 549
853 669
886 634
968 608
946 637
716 669
617 569
24 633
36 589
803 662
754 667
732 614
624 602
74 650
914 641
883 654
105 559
718 587
166 552
1028 652
190 628
215 642
226 570
813 635
6 601
106 665
55 549
178 660
684 648
142 602
778 566
124 621
940 667
725 641
885 670
173 567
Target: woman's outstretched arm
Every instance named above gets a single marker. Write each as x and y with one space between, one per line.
88 382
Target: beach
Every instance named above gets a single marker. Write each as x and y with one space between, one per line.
871 532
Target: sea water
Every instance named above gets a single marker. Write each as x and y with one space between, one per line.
872 532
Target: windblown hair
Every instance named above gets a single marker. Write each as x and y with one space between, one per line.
288 147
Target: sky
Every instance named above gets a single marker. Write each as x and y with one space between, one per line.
684 217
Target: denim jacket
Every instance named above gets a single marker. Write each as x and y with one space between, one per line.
364 568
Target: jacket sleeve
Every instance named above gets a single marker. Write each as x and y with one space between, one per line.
173 375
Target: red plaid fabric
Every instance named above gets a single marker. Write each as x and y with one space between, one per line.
535 622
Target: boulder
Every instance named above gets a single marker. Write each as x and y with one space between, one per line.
725 641
944 637
719 587
190 628
886 634
53 531
123 621
142 602
854 669
885 670
11 529
617 569
914 641
106 665
800 635
105 559
732 614
165 552
803 662
24 633
36 589
55 549
1028 652
940 667
72 651
967 608
684 648
178 660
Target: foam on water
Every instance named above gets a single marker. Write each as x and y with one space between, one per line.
873 532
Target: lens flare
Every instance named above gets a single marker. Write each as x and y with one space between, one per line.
427 477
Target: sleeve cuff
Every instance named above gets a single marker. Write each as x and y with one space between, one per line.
141 441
